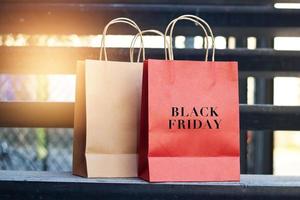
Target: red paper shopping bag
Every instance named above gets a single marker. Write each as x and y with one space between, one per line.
189 121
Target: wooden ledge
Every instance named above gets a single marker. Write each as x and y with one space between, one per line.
52 185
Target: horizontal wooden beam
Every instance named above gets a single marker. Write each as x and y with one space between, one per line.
90 18
52 60
61 115
36 114
195 2
43 60
269 117
62 185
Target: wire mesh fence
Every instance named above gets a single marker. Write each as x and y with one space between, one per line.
35 149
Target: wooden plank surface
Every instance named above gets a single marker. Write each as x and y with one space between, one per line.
61 115
62 60
53 185
67 177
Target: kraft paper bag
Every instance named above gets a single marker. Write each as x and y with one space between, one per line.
107 116
189 119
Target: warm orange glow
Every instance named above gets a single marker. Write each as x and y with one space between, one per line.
121 41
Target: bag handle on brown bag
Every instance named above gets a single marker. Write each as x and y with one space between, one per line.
200 23
138 35
114 21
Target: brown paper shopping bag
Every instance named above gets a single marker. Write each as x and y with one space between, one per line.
107 113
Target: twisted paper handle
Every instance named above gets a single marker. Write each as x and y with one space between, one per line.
114 21
138 35
199 22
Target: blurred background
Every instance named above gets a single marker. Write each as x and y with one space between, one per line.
51 148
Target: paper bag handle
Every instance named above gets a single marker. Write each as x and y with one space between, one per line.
114 21
138 35
199 22
172 24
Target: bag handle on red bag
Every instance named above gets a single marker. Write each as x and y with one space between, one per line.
172 24
114 21
138 35
199 22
